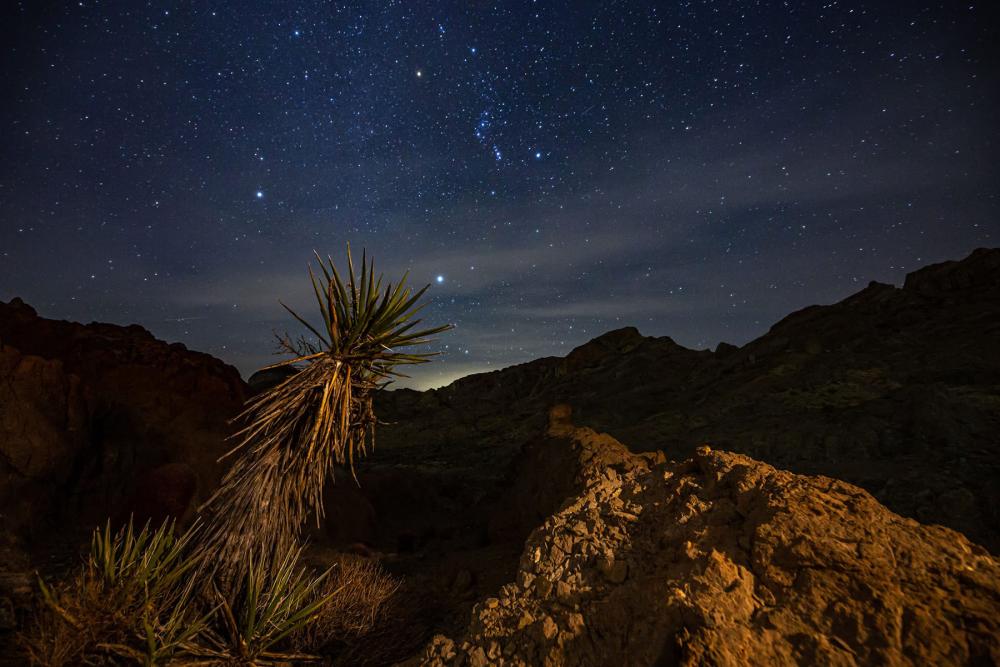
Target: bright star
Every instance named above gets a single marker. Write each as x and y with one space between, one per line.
260 194
420 73
538 155
440 279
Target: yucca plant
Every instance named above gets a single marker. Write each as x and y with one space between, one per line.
294 434
166 634
275 599
132 599
153 562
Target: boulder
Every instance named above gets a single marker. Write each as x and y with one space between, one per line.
45 422
723 560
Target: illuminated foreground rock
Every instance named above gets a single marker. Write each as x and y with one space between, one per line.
724 560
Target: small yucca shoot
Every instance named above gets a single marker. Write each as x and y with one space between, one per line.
133 599
154 561
273 602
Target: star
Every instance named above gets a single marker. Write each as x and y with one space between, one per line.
652 141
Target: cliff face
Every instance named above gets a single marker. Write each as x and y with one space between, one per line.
896 390
99 420
723 560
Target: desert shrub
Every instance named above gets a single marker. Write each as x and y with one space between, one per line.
360 598
133 601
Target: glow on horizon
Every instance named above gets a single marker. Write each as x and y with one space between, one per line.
441 379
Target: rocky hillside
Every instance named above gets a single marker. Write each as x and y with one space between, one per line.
99 420
896 390
722 560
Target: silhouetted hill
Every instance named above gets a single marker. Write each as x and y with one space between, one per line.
896 390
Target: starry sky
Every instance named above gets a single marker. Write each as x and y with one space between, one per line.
554 169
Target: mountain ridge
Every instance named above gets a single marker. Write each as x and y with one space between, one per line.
889 388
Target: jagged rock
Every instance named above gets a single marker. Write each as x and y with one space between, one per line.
552 468
613 570
733 562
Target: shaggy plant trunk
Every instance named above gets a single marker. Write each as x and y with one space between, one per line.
322 416
295 433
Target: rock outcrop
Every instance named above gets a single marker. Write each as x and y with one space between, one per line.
896 390
99 420
723 560
45 416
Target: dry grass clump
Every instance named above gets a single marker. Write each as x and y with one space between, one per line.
374 621
363 599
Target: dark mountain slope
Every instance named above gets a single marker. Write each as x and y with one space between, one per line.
896 390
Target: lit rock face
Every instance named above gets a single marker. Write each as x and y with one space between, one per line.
723 560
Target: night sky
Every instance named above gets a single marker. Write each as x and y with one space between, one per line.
554 169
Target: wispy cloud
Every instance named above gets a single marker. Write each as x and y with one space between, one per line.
610 307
